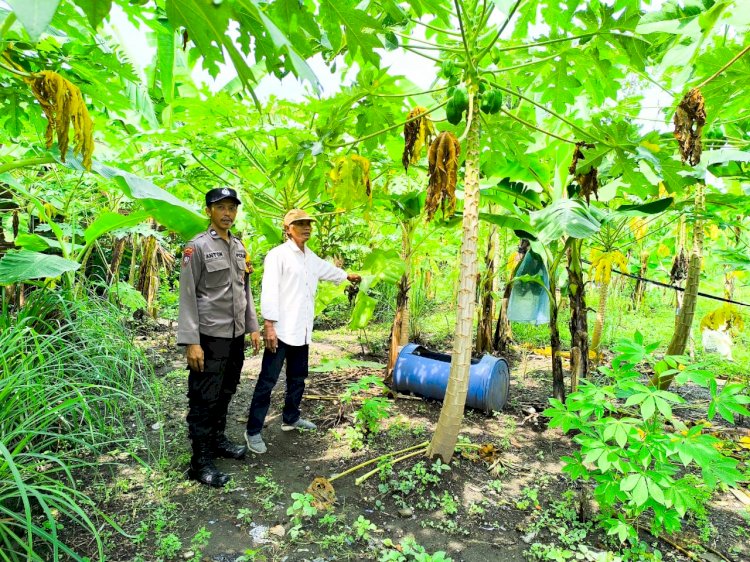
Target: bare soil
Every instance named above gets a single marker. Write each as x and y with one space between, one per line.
248 517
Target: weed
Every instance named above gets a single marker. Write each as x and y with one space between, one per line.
329 520
168 546
267 491
637 461
199 542
245 515
408 550
252 555
530 498
448 504
363 527
449 526
302 507
495 486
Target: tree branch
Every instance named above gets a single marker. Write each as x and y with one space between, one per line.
412 50
463 38
549 42
737 57
441 89
452 33
499 32
540 106
431 46
526 123
396 126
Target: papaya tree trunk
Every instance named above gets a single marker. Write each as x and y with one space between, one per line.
133 272
503 332
407 234
487 308
113 275
558 376
402 303
579 328
690 298
640 286
729 283
400 327
601 313
451 414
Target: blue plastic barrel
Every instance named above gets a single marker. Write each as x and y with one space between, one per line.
425 373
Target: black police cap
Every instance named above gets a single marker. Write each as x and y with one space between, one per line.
219 193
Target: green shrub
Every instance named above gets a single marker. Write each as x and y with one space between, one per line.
628 448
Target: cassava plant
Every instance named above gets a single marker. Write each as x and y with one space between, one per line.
635 450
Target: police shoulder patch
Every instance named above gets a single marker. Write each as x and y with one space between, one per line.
187 254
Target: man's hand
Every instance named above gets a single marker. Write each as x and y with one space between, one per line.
255 338
353 278
195 357
269 334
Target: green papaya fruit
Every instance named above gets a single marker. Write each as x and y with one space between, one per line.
453 113
461 98
492 101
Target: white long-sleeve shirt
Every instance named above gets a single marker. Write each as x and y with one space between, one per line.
290 281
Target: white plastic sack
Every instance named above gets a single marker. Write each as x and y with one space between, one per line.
717 341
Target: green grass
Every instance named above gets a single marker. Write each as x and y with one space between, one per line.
72 386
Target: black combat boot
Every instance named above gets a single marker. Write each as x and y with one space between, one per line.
220 445
202 466
224 448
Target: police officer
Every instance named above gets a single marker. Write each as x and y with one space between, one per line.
216 311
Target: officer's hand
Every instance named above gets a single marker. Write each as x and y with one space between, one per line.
255 337
195 357
269 334
353 278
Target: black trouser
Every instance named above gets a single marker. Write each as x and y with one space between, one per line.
210 392
296 373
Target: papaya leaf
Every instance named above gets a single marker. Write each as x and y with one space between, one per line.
506 221
95 10
207 26
565 217
652 208
19 266
35 15
382 265
363 311
359 30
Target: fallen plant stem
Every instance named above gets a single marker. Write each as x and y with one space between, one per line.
364 477
376 459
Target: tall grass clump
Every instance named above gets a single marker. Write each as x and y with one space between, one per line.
72 387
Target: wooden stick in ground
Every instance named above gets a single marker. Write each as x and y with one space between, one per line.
376 459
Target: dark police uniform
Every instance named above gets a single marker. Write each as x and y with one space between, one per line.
216 311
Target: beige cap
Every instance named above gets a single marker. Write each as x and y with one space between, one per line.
296 215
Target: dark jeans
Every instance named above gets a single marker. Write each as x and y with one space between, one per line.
296 373
210 392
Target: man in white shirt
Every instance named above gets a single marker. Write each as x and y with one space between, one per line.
287 302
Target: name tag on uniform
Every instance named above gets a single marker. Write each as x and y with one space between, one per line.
213 256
